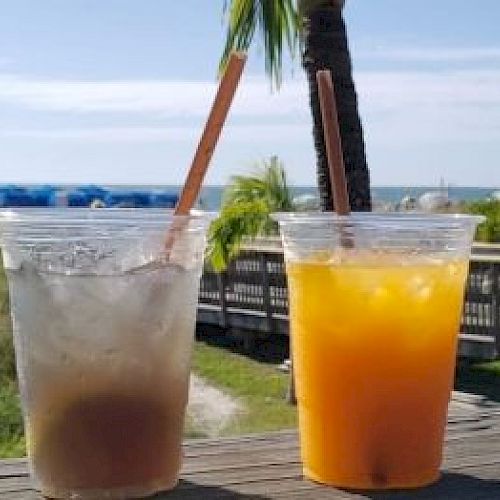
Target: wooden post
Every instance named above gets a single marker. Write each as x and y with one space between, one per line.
495 305
221 281
266 291
291 396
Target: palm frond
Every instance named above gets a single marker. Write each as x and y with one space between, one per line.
244 189
268 182
247 204
278 24
227 233
279 195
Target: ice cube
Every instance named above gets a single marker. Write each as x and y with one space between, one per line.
420 288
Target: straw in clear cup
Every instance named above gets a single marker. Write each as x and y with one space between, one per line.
208 142
374 333
102 346
333 142
334 152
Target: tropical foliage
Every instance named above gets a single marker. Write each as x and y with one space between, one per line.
247 205
489 230
277 23
316 27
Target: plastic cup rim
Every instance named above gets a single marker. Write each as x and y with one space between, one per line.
374 217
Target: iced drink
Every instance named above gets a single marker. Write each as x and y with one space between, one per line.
374 333
103 331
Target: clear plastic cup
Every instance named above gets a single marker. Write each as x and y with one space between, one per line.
103 332
375 306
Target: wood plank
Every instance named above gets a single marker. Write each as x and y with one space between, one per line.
267 466
270 449
13 467
454 486
15 483
463 454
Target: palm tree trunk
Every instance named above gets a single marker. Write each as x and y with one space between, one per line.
326 47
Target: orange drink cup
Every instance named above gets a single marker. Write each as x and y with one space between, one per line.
375 306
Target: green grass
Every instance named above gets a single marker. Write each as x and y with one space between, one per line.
11 424
491 367
260 387
7 364
479 378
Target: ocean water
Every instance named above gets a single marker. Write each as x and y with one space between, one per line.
211 196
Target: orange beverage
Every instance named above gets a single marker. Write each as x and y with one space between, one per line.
374 338
375 303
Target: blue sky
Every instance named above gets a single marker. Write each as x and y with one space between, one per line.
116 91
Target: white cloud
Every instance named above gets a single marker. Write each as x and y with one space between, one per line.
423 107
104 134
412 105
238 133
432 54
418 121
396 89
378 90
174 98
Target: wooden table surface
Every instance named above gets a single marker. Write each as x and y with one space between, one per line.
267 466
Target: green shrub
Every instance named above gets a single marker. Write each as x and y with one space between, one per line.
11 422
7 362
489 230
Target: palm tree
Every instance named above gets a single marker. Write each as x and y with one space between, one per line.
320 26
247 204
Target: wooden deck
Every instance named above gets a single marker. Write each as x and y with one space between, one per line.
267 466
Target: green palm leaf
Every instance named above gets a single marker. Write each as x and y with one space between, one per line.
278 24
234 224
247 204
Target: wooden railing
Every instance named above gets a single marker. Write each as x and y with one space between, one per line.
252 295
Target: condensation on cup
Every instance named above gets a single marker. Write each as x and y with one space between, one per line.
103 331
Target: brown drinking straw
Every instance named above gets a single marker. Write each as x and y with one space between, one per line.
332 141
211 133
208 141
335 165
